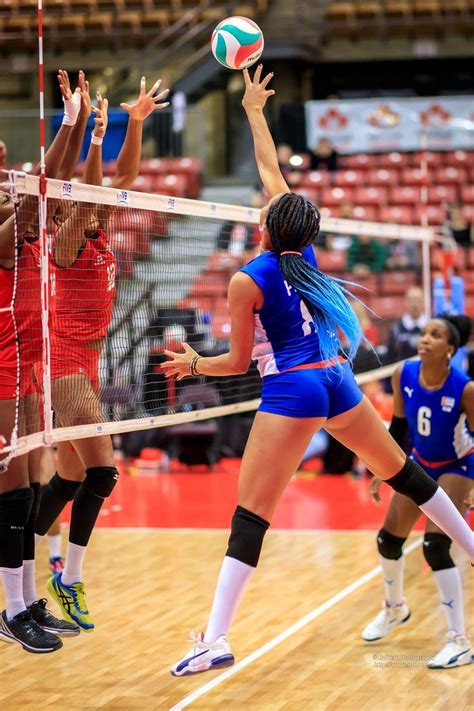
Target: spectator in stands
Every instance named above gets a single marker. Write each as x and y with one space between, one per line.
403 254
366 255
324 155
3 155
458 228
237 237
405 333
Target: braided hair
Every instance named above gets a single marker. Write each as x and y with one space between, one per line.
459 330
293 224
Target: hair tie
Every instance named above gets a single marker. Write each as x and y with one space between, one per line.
300 254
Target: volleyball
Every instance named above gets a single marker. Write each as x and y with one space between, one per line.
237 42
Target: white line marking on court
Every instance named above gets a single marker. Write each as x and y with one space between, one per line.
345 592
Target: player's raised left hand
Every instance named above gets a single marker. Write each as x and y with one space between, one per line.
179 363
147 102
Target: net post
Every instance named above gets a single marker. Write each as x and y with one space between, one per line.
44 263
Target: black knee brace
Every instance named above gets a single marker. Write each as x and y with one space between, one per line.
15 509
436 551
414 482
246 536
389 546
29 539
100 481
63 489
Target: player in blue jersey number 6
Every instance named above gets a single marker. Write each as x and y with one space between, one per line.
286 314
435 403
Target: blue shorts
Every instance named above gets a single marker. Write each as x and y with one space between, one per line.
463 467
317 392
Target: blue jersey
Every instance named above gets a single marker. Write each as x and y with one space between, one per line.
285 334
438 428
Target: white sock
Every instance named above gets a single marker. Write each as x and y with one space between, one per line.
233 578
12 580
29 583
450 593
72 572
38 540
441 510
393 579
54 543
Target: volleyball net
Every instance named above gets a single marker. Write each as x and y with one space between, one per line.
118 277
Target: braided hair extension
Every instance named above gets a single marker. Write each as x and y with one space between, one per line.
293 224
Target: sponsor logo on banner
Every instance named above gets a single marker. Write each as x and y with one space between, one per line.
435 117
333 120
213 209
384 117
122 197
447 403
171 205
66 190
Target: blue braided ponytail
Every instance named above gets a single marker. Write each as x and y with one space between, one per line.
293 224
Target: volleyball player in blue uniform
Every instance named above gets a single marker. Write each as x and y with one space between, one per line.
434 401
285 313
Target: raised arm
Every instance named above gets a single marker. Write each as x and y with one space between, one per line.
71 156
255 98
128 162
72 105
93 168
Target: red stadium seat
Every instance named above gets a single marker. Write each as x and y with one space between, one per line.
414 176
467 194
363 285
346 178
334 196
152 166
396 282
173 185
143 183
332 261
470 257
388 306
402 215
436 214
393 160
383 176
468 212
371 196
220 327
360 160
316 178
449 176
311 194
405 195
366 212
433 160
109 168
468 277
442 194
459 159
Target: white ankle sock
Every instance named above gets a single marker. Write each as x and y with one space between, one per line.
54 543
393 579
450 593
29 583
441 510
233 578
73 565
12 580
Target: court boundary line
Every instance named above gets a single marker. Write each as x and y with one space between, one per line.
296 627
181 529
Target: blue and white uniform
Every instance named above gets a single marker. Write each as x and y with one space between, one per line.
440 436
286 339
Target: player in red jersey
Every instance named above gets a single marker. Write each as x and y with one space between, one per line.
84 292
25 620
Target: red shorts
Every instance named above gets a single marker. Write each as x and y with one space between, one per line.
75 359
9 377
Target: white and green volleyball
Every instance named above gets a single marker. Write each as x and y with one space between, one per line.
237 42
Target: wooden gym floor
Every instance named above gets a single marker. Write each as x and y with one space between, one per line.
296 637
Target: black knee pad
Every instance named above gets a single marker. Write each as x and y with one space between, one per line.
414 482
389 546
100 481
436 551
64 489
15 508
246 536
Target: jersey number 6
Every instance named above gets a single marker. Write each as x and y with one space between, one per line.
424 422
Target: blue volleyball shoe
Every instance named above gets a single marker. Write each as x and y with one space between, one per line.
204 656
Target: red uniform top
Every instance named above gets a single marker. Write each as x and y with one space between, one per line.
26 307
83 294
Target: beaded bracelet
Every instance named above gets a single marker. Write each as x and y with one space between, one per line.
192 365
